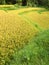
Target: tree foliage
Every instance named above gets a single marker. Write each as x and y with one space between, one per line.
39 2
27 2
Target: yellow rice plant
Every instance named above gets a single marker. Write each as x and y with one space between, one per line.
41 19
14 34
6 6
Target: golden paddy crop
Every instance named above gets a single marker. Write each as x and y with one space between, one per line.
14 34
41 19
6 6
15 31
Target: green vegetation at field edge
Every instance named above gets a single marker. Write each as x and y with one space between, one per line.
36 52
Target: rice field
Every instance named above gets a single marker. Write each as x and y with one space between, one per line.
17 29
42 19
14 34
